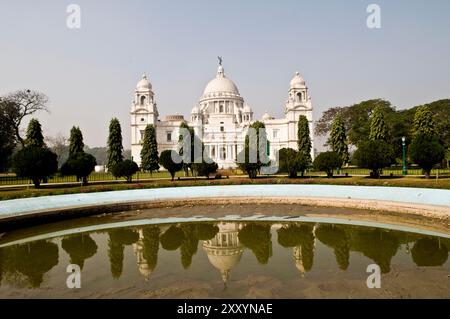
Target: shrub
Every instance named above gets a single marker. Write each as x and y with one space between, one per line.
204 168
291 162
426 151
35 163
166 160
125 169
81 165
375 155
327 162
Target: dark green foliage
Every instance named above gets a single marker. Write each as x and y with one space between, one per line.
76 144
336 237
151 245
206 231
172 238
374 155
378 245
35 163
166 160
338 139
302 237
79 247
257 237
18 105
427 252
378 129
246 162
189 245
125 169
292 162
423 122
304 137
327 162
118 239
115 147
205 168
34 136
149 152
399 123
356 119
81 165
426 151
32 260
188 159
8 137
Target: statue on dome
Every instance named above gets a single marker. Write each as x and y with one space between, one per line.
220 60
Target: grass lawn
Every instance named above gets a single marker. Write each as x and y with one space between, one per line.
410 181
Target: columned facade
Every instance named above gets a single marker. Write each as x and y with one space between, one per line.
221 119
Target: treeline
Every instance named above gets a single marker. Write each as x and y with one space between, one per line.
357 124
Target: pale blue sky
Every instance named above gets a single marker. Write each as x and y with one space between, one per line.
90 74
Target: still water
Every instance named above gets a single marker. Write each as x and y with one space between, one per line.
224 259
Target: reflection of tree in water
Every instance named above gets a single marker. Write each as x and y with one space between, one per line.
151 245
257 237
79 247
376 244
206 231
336 237
32 260
118 239
186 237
172 238
189 245
301 238
429 252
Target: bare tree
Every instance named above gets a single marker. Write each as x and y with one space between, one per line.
60 146
18 105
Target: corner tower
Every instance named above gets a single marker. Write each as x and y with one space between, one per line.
143 112
298 103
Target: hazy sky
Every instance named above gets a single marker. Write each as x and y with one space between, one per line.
90 74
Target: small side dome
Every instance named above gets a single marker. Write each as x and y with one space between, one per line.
144 84
195 110
247 109
267 116
297 81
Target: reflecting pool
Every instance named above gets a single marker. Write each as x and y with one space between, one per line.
169 258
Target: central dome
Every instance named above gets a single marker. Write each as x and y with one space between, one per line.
221 84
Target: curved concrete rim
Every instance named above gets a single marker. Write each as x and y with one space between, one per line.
426 202
230 218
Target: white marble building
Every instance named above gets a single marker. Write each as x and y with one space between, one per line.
220 118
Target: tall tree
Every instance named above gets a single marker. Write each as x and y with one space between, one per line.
250 159
338 139
20 104
356 119
378 129
149 152
76 144
187 161
303 137
115 146
423 121
34 135
7 139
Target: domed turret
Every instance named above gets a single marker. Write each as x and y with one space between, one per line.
144 84
297 82
267 117
195 110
